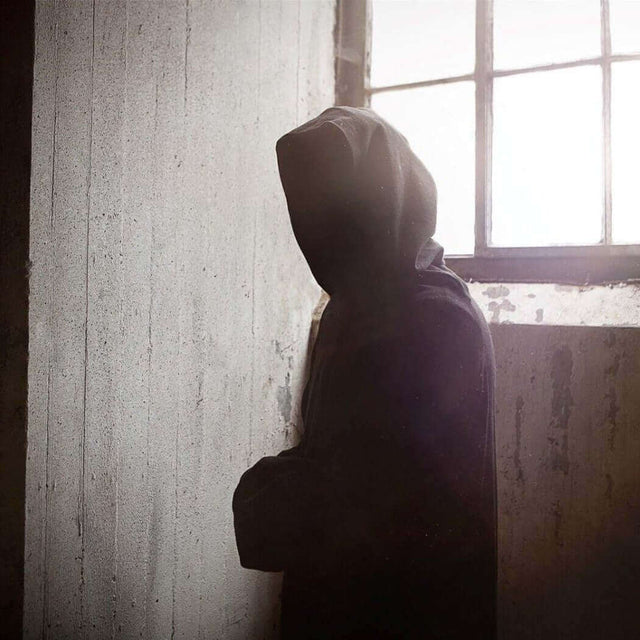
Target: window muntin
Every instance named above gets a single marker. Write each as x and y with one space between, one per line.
625 150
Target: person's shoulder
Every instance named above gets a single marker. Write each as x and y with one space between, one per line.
448 315
448 304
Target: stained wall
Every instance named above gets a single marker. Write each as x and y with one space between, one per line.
169 305
568 446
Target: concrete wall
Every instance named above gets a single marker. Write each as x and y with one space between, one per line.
568 447
169 306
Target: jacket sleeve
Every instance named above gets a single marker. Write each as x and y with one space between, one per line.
282 508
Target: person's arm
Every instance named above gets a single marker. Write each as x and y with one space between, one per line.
281 509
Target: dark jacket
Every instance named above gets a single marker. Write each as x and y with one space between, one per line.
383 518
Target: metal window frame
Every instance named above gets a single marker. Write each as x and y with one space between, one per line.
590 264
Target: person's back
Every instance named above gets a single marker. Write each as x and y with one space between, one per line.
383 518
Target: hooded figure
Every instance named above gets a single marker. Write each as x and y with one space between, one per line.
383 518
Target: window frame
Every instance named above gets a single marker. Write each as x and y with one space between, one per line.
589 264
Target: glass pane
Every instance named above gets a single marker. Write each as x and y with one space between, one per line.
421 40
625 151
547 158
537 32
439 123
625 25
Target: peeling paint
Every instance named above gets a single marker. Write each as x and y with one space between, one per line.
280 349
499 291
495 308
564 305
561 403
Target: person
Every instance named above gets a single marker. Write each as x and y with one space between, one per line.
383 518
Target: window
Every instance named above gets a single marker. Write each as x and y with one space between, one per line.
526 112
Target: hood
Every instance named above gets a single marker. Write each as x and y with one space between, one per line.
361 203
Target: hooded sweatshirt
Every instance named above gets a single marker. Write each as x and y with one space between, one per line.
383 518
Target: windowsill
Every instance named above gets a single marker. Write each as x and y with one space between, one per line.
547 304
553 269
615 305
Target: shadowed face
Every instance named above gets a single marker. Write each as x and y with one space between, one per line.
360 202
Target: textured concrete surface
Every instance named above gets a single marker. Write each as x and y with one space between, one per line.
169 306
568 445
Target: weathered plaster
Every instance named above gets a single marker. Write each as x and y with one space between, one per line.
559 305
568 445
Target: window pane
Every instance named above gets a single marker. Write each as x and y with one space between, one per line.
421 40
439 123
547 158
625 151
537 32
625 26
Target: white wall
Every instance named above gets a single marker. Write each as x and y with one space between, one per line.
169 307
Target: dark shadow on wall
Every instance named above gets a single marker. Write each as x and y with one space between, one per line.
16 81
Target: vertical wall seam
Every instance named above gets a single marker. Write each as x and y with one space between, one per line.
150 273
605 40
297 122
178 421
51 248
175 524
187 42
121 323
82 491
254 250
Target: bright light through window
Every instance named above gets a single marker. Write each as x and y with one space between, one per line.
537 32
545 99
547 158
